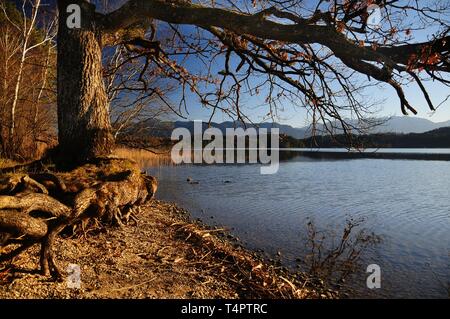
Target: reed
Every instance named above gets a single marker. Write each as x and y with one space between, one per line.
145 158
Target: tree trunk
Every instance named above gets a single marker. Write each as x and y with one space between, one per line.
84 127
3 119
12 124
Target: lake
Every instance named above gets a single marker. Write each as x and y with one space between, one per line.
381 150
403 202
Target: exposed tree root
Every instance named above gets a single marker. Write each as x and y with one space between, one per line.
35 207
35 202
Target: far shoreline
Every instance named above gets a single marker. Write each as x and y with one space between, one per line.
324 153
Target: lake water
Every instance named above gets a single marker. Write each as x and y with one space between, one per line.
380 150
405 202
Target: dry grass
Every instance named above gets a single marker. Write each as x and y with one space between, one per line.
143 157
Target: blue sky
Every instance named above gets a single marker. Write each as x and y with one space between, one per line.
295 116
389 104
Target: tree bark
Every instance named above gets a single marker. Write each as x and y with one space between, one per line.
84 128
35 208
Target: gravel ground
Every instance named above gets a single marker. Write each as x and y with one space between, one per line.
164 255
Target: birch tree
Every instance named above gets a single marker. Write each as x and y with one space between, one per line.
25 27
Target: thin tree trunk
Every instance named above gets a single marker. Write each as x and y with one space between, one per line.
12 124
5 102
84 128
28 27
41 89
35 126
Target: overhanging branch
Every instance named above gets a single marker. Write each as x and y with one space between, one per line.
319 29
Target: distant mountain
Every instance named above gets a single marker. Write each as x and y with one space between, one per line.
397 124
438 138
284 129
164 128
406 124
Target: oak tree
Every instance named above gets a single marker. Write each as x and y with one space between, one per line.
319 54
310 52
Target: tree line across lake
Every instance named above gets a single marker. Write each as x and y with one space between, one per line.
439 138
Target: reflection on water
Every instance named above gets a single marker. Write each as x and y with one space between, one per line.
380 150
405 202
335 256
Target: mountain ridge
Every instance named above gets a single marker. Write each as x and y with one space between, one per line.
395 125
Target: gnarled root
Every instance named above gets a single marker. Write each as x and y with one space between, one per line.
108 190
47 260
18 225
21 224
35 202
